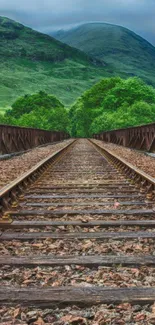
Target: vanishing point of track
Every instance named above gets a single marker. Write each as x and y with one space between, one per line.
80 195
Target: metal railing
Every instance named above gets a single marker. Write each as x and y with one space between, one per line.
16 139
138 137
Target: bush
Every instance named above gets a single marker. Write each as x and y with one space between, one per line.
113 103
39 111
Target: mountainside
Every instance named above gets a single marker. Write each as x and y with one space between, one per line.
31 61
20 41
116 45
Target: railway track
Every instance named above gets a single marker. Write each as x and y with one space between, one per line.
78 229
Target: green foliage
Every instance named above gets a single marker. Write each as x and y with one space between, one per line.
110 104
39 111
29 103
113 103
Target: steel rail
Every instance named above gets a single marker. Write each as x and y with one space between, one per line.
142 181
13 190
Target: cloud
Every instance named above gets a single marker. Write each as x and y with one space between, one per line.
45 15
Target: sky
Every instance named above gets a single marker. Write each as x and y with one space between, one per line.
49 15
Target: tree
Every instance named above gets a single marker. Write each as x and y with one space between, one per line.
39 111
113 103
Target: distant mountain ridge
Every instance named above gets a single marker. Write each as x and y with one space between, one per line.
16 34
116 45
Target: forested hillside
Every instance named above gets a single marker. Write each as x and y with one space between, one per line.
31 61
126 51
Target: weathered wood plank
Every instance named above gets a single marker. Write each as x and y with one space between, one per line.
81 212
75 185
78 186
76 196
90 261
77 235
91 191
99 223
80 296
45 204
47 186
76 172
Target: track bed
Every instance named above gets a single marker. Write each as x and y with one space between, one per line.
78 246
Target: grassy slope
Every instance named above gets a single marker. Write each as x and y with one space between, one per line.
116 45
31 61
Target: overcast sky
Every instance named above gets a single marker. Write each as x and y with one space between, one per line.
46 15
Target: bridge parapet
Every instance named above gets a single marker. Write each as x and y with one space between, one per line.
139 137
15 139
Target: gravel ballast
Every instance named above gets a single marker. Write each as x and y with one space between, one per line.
136 158
16 166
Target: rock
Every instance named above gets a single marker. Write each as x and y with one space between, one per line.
151 319
73 320
32 316
137 308
89 315
32 313
47 312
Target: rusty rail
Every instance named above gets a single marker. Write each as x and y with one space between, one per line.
11 191
16 139
139 137
142 181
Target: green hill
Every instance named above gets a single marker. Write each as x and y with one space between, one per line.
31 61
124 50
